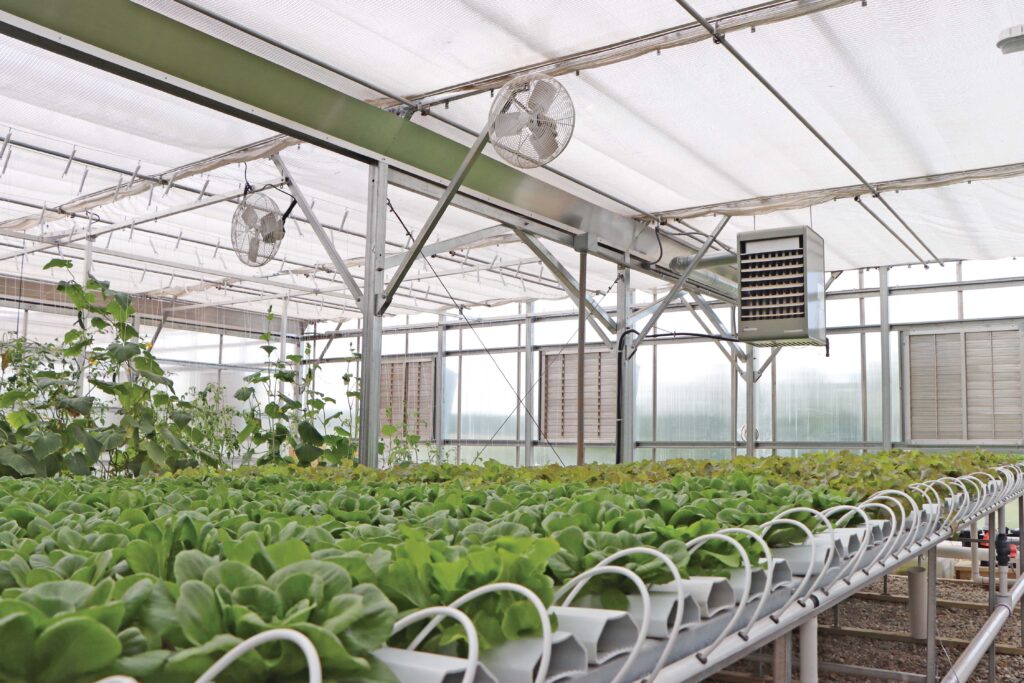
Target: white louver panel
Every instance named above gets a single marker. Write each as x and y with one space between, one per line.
987 408
993 385
407 395
558 415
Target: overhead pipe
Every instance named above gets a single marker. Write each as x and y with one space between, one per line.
680 263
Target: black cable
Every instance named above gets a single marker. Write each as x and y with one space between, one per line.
460 308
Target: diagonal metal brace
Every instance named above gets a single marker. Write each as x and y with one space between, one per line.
318 230
566 279
677 286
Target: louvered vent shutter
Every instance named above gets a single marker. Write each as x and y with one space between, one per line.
559 396
936 405
407 395
993 385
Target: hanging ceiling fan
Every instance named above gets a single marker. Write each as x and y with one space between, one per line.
257 228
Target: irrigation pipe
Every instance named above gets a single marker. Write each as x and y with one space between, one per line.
291 635
472 639
695 545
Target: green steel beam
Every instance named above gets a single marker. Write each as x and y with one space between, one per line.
148 47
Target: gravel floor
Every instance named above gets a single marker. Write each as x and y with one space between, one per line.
910 657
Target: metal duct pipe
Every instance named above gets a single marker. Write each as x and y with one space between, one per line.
917 583
681 263
978 648
706 278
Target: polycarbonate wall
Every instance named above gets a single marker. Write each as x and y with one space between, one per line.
805 400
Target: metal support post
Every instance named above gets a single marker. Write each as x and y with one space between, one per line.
373 281
932 618
439 388
581 341
86 275
282 333
733 401
782 659
883 317
625 404
1020 556
751 421
917 587
318 230
975 559
992 591
809 651
529 435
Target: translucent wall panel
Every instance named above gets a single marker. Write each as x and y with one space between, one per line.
490 337
819 397
451 397
331 381
244 350
488 402
694 453
187 345
566 455
644 408
423 342
914 308
998 268
842 312
874 385
478 455
994 303
693 393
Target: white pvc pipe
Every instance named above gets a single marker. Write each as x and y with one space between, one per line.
677 578
542 613
768 574
809 651
291 635
645 601
472 639
917 587
693 546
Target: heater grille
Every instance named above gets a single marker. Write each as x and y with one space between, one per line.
782 289
772 285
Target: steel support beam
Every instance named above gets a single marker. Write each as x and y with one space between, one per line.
70 236
318 230
883 318
443 202
719 326
581 362
133 41
484 237
751 402
568 282
529 430
625 403
720 39
678 285
369 400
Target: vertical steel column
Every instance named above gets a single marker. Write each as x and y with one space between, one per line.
529 435
809 651
625 404
991 591
933 569
782 659
86 274
863 364
751 382
439 364
960 292
282 333
1020 557
373 287
734 396
883 317
581 340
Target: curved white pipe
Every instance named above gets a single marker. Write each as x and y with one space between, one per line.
542 612
472 639
768 574
864 540
828 551
645 602
680 595
694 545
291 635
801 590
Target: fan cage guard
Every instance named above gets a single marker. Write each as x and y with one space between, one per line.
532 121
246 240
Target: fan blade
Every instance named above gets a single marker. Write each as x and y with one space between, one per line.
271 228
510 123
542 97
249 217
544 141
254 249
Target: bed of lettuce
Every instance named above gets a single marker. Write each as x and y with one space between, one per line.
157 577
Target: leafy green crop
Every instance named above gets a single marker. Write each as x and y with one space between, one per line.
157 577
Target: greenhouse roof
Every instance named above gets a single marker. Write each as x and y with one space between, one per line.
668 125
